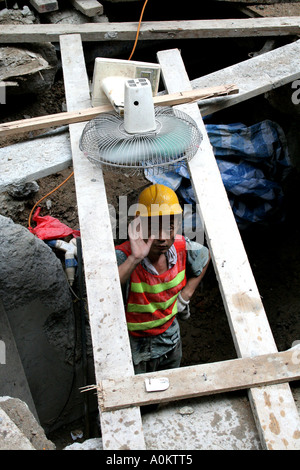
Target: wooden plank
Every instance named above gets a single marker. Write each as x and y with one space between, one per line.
158 30
88 7
201 380
58 119
44 6
197 94
273 406
111 349
253 76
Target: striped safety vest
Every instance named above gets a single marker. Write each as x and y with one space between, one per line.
152 299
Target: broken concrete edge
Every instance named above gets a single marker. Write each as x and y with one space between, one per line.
19 429
26 161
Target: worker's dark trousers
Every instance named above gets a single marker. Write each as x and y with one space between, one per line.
171 360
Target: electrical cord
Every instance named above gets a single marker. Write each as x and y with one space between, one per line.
138 30
32 210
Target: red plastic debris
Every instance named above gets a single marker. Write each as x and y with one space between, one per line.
50 228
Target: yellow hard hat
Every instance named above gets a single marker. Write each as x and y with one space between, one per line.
158 200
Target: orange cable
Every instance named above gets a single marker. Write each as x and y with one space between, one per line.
138 30
30 215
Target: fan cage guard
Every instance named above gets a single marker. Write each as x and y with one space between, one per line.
105 142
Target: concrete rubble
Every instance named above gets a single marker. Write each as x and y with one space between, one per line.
19 430
33 69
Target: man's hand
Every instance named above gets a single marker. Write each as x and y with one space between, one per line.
183 308
139 247
192 283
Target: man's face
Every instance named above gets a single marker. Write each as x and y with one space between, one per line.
163 229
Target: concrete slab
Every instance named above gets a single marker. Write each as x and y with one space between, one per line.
28 433
226 421
35 158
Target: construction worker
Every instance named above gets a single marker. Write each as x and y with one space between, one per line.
159 273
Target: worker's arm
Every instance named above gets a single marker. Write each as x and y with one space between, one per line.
126 268
139 250
192 283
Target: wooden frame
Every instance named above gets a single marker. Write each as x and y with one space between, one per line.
250 328
249 325
273 405
155 30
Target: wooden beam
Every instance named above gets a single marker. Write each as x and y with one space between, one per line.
190 96
105 302
201 380
154 30
59 119
274 408
44 6
88 7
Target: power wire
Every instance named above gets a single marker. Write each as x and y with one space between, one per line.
57 187
138 30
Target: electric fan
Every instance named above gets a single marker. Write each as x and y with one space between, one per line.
144 138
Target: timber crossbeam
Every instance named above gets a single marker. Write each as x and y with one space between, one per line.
59 119
200 380
154 30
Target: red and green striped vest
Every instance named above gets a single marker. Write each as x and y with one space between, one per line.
151 304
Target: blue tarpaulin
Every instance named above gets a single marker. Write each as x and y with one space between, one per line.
253 162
